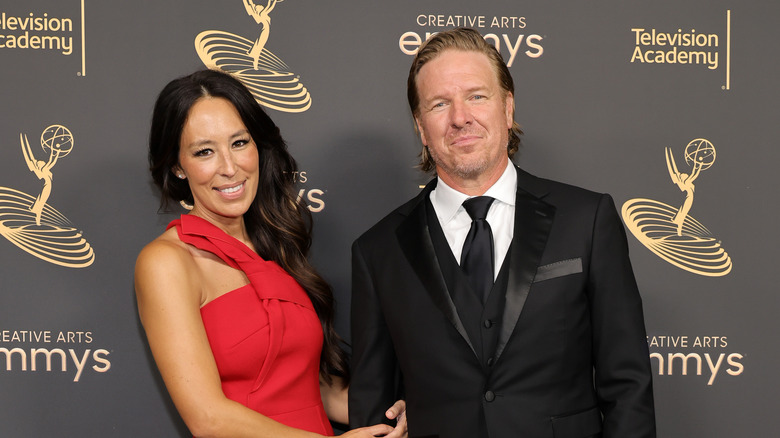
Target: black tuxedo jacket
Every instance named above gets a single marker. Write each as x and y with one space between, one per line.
571 359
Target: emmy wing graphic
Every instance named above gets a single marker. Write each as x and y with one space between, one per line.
30 222
670 232
264 74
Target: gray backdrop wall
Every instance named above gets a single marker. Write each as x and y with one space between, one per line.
609 93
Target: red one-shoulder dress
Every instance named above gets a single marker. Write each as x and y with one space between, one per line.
266 337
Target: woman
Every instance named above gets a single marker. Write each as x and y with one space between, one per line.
239 323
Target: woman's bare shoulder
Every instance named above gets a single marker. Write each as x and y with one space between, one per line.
165 257
166 248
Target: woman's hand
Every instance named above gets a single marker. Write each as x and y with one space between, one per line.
370 431
396 412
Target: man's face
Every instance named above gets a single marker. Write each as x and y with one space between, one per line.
464 117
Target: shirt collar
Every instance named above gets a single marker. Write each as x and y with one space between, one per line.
448 200
505 189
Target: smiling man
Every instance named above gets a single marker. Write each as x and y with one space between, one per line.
497 303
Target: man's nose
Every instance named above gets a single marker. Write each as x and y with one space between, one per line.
460 114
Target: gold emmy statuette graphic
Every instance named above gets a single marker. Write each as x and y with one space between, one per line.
264 74
671 233
32 224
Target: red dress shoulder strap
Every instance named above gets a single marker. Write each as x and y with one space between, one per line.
268 278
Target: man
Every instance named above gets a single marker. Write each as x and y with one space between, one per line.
540 334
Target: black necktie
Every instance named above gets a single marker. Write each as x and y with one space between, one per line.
476 260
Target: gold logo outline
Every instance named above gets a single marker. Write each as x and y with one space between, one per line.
266 76
672 233
30 222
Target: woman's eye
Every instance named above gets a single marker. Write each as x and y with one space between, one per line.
202 152
239 143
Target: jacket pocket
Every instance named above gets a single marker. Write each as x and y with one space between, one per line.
558 269
580 425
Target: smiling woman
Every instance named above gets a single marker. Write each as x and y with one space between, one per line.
219 159
255 352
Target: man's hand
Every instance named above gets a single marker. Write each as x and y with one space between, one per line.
398 413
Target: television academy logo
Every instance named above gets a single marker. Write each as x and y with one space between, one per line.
672 233
30 222
264 74
40 31
683 46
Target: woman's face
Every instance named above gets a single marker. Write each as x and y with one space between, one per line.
219 159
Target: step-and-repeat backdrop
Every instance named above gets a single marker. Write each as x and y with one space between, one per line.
670 106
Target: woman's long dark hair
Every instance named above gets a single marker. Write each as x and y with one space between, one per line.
278 224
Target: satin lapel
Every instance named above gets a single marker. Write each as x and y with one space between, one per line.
415 240
533 220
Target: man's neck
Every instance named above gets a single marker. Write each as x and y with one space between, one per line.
477 185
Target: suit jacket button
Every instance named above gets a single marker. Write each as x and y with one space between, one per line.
489 396
488 323
490 362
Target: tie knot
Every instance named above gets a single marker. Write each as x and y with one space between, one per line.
478 207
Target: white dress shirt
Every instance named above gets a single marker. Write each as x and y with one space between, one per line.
456 222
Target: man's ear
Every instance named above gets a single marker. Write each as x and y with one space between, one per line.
510 110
